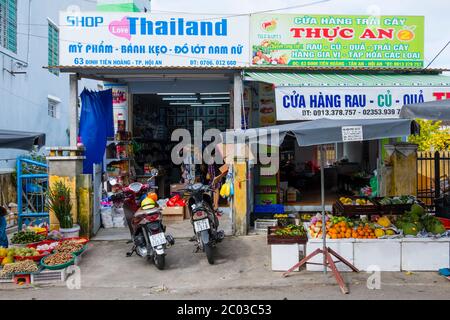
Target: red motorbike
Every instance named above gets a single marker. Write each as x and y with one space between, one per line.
144 219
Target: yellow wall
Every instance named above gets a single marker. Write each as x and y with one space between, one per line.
71 183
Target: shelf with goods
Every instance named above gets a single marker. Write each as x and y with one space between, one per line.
267 184
119 158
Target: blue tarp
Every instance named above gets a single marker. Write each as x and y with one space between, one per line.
96 125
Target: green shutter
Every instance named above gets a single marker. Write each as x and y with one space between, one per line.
53 47
8 24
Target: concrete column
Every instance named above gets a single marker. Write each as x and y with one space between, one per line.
73 109
240 200
238 88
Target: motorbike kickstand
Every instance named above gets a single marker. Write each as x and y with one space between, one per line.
130 253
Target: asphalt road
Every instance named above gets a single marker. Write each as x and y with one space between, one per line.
242 271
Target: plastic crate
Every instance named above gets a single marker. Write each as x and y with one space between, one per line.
7 279
49 276
271 208
262 225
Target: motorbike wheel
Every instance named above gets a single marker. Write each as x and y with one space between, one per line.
160 261
209 253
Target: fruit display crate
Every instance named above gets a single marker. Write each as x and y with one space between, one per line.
395 209
284 239
340 208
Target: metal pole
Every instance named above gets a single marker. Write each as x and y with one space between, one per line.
73 109
324 221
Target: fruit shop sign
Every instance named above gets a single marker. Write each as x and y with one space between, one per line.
337 41
147 40
301 103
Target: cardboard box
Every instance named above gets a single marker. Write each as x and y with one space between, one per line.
176 187
173 214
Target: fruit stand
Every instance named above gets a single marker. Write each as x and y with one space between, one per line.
285 245
388 239
35 257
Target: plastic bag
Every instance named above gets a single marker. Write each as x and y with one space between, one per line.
106 215
118 218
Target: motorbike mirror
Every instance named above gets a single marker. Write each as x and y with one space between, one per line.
135 187
112 181
154 172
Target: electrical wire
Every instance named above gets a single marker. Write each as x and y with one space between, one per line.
437 55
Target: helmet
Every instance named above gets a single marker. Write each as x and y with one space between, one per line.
148 203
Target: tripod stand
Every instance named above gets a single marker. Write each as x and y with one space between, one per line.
325 251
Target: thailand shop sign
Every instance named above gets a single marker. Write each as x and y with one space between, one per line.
153 40
337 40
300 103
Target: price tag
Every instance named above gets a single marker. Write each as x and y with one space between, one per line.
352 133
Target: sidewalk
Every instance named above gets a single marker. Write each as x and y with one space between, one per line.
182 229
242 271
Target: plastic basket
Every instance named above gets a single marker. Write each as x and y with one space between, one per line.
35 245
34 258
78 239
58 266
77 253
445 222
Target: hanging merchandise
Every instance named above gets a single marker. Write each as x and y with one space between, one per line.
227 189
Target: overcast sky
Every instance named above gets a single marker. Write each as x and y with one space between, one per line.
436 12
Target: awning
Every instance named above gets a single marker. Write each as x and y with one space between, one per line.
324 131
432 110
294 79
20 139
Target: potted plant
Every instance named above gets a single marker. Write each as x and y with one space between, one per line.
59 202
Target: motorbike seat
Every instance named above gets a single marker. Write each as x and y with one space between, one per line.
148 211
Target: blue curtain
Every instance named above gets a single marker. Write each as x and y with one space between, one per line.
96 125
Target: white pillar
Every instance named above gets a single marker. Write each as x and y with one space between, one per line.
73 109
237 101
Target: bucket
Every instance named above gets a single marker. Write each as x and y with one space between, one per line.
70 232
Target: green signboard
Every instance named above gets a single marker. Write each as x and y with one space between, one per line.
337 40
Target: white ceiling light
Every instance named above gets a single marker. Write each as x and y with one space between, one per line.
179 98
215 98
177 94
214 93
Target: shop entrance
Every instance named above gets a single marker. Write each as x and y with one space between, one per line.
156 106
156 116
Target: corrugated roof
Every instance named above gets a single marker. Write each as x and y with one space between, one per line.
288 79
257 69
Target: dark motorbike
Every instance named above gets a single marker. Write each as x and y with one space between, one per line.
145 224
203 219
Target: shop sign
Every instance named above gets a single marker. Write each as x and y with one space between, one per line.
337 40
121 39
302 103
267 109
352 133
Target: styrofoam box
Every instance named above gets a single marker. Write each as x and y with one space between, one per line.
385 254
342 247
425 254
284 256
